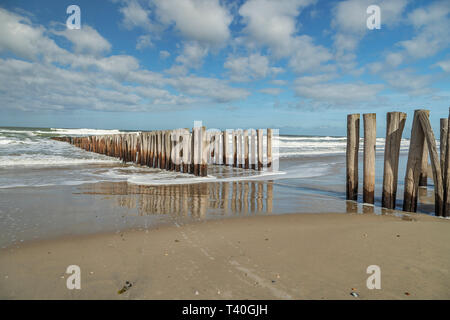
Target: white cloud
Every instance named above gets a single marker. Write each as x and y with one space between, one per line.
307 56
407 81
432 24
163 54
445 65
205 21
213 88
253 67
88 81
134 15
339 93
18 36
144 41
278 82
272 23
86 40
271 91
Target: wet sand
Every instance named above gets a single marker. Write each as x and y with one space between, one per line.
295 256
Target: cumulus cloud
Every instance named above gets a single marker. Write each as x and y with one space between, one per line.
144 41
163 54
205 21
253 67
338 93
271 91
444 64
53 78
432 23
272 23
135 16
86 40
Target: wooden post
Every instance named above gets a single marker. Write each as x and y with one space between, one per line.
269 148
260 148
414 164
234 136
186 151
246 141
225 147
352 156
435 165
370 137
395 123
423 178
447 172
196 138
216 147
443 143
239 148
253 149
204 153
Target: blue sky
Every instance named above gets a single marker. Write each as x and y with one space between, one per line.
297 65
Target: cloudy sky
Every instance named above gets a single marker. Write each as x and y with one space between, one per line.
297 65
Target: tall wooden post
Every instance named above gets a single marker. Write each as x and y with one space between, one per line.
423 178
352 156
196 138
246 142
447 172
259 133
370 137
253 149
225 147
395 123
414 164
435 165
443 143
269 148
204 153
239 148
234 137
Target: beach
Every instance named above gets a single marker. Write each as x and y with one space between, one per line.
235 234
297 256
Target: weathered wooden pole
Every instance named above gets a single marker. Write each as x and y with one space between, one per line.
423 178
217 147
225 147
447 172
259 133
186 150
234 137
196 138
395 123
414 164
239 148
435 164
370 137
253 149
443 143
269 148
352 156
204 153
246 142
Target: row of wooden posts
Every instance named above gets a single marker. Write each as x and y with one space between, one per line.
422 144
181 150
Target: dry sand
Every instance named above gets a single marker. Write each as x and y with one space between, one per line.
294 256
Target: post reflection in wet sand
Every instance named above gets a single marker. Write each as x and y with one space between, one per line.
191 200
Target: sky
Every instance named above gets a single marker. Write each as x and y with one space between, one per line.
296 65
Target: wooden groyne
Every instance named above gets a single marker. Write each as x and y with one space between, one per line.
422 145
182 150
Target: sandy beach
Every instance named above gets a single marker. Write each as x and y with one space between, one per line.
294 256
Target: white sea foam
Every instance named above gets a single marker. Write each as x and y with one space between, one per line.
48 160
